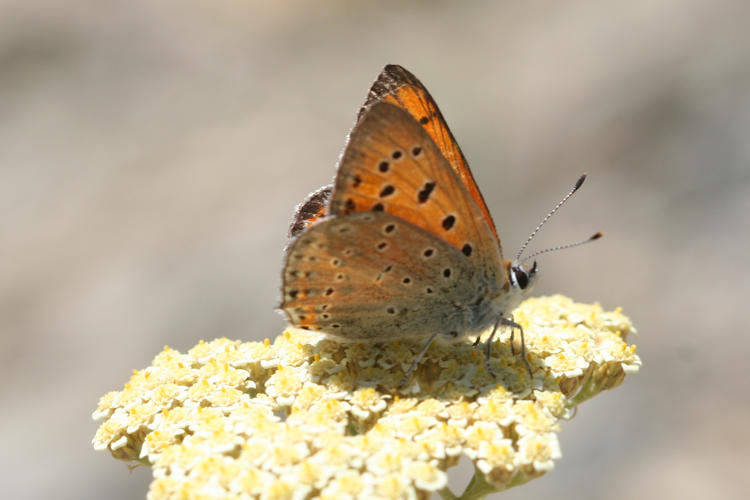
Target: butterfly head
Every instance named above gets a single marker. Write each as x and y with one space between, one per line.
521 279
509 293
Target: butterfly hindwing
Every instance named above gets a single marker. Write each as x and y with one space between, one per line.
310 210
372 276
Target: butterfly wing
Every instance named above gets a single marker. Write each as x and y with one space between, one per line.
392 165
310 210
398 86
372 276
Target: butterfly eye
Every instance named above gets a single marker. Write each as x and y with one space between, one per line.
519 277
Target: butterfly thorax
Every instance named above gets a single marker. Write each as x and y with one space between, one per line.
499 299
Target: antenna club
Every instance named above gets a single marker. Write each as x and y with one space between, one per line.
579 182
596 236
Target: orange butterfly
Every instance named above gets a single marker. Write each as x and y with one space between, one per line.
402 246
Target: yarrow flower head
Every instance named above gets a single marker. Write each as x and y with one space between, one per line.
307 417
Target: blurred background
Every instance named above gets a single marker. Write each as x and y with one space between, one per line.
152 153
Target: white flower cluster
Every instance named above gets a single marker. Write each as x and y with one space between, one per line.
306 417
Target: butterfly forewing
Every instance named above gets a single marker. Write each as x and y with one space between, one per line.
398 86
392 165
372 276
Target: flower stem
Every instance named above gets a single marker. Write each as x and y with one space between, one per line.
447 494
478 488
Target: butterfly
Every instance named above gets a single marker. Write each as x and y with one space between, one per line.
402 245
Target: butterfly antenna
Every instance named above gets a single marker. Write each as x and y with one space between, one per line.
578 184
563 247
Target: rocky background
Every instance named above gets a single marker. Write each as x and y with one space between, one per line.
151 155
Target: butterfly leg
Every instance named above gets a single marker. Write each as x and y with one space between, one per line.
488 346
417 359
513 325
479 337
